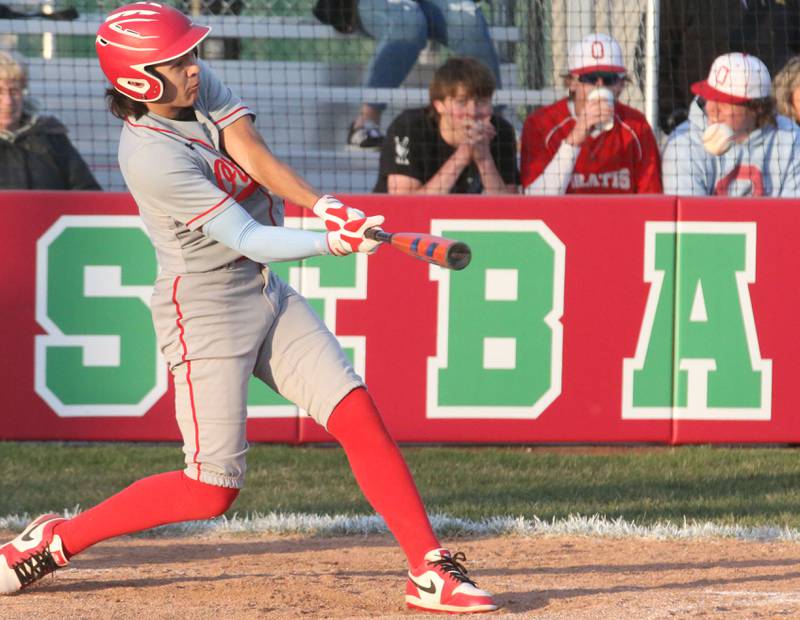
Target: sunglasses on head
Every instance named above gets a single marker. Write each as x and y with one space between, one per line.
609 78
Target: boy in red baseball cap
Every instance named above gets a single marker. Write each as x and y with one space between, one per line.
734 143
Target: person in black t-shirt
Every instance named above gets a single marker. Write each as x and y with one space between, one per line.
455 145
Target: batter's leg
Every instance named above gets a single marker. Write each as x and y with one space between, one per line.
382 473
304 362
210 401
211 410
170 497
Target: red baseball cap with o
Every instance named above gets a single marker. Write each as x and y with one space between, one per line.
735 78
596 52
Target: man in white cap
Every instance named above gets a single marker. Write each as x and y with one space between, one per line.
734 143
589 142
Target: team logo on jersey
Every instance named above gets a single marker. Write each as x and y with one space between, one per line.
401 149
743 180
233 180
614 179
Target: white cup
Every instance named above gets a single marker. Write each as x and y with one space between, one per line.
603 93
718 138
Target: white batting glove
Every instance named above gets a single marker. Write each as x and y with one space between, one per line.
350 238
334 213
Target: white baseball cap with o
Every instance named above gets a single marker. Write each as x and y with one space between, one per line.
735 78
596 52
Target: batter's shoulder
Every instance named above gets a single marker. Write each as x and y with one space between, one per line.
148 158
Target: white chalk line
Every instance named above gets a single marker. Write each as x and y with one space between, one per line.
446 525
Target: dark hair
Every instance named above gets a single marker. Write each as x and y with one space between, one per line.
764 110
470 74
123 106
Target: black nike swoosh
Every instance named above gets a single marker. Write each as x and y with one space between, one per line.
26 536
431 589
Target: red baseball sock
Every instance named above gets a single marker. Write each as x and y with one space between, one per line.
157 500
382 473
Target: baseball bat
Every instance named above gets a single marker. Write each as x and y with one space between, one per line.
439 251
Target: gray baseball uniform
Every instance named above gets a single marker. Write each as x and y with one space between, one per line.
220 317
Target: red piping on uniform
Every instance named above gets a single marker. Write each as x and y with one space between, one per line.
188 371
244 107
633 133
247 191
174 133
243 195
271 205
220 203
555 129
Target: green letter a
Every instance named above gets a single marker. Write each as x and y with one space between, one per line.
697 356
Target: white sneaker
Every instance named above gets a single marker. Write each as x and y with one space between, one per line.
368 136
31 555
440 583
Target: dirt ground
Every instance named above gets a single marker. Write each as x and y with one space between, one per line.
236 576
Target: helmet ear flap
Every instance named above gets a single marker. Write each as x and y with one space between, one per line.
138 86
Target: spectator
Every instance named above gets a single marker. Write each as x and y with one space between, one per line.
589 142
733 143
786 89
401 29
35 152
694 33
455 145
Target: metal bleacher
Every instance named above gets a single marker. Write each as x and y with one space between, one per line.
303 107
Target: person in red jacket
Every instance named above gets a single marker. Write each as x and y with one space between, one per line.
589 142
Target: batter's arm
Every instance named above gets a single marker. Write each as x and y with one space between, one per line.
245 145
235 228
267 244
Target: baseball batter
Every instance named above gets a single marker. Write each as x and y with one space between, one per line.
198 169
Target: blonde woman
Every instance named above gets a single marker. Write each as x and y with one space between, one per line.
786 89
35 152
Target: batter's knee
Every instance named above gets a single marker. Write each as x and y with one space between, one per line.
210 500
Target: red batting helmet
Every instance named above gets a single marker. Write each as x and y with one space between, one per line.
141 34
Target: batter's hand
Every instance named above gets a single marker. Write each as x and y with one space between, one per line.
350 238
334 213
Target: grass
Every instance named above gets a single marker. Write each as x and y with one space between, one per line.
727 486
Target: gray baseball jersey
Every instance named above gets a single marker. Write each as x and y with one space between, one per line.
220 317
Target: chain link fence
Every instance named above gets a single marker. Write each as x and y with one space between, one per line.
306 81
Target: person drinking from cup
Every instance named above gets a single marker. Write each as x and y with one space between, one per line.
589 142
